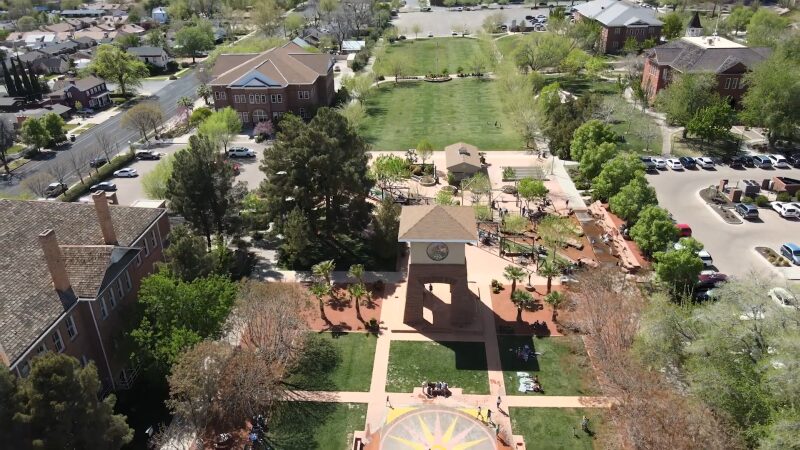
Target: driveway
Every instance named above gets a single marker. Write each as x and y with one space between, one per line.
442 22
731 246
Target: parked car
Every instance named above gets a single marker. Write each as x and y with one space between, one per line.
704 294
459 9
55 189
430 33
541 18
674 164
126 173
529 18
711 278
742 161
661 163
762 161
103 186
706 258
783 297
705 162
779 161
648 162
785 209
147 154
791 252
241 152
794 159
687 162
98 162
747 210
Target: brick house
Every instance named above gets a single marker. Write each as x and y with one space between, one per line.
91 92
265 85
70 273
619 21
693 53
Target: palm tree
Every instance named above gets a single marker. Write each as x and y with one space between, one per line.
513 274
357 271
324 270
187 104
357 292
555 299
204 91
320 290
548 269
523 299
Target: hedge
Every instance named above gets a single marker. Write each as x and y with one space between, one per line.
79 189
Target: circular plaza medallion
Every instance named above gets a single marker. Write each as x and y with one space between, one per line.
436 428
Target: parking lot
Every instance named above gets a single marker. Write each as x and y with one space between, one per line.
731 246
442 22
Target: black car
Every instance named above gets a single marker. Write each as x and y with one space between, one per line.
649 165
742 161
98 162
794 159
103 186
687 162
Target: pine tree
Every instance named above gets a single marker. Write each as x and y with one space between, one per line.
26 81
18 86
10 87
37 88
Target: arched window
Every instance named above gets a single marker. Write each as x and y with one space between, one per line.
259 115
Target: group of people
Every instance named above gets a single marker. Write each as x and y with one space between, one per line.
526 352
436 389
532 384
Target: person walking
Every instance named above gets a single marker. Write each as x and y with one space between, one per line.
480 414
498 403
585 424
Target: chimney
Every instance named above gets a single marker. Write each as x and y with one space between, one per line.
55 260
104 218
112 198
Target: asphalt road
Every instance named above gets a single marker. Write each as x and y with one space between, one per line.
442 22
85 144
731 246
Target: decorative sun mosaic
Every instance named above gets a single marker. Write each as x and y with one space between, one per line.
428 428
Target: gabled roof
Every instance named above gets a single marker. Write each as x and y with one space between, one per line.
146 51
685 55
695 22
461 153
436 223
280 66
83 84
618 13
92 267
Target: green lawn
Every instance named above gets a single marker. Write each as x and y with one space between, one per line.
460 364
552 428
507 44
641 132
399 116
580 85
16 148
69 126
354 371
424 56
321 426
563 367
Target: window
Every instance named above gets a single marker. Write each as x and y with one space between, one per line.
259 115
138 260
734 83
303 95
103 309
24 369
303 113
617 30
276 114
57 342
219 95
84 361
120 290
128 281
239 98
72 331
42 348
243 116
146 247
276 98
112 299
727 83
153 241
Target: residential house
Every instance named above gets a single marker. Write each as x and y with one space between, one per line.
82 13
20 116
160 15
43 63
91 92
280 80
130 28
11 104
620 20
84 42
70 274
352 46
67 47
60 27
156 56
462 160
694 53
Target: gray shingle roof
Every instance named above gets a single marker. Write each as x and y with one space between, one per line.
436 223
684 56
83 84
146 51
28 302
285 65
617 13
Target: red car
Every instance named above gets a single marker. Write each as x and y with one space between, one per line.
684 230
711 278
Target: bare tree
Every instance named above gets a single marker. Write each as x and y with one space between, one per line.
144 117
173 437
7 134
59 170
78 161
37 183
104 144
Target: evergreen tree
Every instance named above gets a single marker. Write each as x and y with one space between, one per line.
10 87
19 88
37 88
26 81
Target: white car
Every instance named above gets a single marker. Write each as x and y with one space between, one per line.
783 297
674 164
779 161
704 162
241 152
785 209
430 33
126 173
661 163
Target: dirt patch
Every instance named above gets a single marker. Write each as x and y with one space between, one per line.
341 311
773 257
508 322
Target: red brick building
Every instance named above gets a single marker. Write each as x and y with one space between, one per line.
728 60
265 85
620 20
68 274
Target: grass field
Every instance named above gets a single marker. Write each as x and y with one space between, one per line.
321 426
508 44
552 428
563 367
399 116
354 371
424 56
460 364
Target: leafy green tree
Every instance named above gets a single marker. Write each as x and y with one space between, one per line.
678 269
590 134
563 119
673 25
199 116
221 127
772 99
595 157
175 315
201 188
574 62
541 50
713 122
654 231
296 239
293 23
57 406
766 28
686 95
194 39
586 33
739 18
155 37
54 125
615 174
632 199
34 133
127 41
444 198
360 87
513 274
386 223
187 254
631 46
111 63
424 150
155 182
389 169
531 190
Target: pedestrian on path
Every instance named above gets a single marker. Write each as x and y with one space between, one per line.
489 416
498 403
480 414
585 424
388 403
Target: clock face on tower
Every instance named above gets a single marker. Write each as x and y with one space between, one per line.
438 251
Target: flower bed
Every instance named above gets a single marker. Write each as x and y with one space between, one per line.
773 257
439 79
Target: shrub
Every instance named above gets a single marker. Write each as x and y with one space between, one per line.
185 64
451 180
762 200
417 170
747 199
172 66
79 189
199 115
784 197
